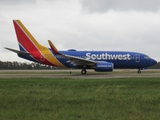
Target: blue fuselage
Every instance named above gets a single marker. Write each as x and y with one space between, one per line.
120 59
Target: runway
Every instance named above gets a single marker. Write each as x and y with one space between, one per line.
91 74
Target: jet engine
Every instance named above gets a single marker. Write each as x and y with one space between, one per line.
102 66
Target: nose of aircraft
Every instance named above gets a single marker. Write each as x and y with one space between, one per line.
153 62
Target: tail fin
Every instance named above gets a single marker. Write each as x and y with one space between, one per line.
26 41
30 46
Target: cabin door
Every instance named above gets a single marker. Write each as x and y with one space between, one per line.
137 58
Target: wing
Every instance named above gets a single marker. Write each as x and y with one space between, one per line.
79 61
72 59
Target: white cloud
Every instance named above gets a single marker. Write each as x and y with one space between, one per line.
122 5
16 2
68 26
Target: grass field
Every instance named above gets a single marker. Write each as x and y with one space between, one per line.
82 99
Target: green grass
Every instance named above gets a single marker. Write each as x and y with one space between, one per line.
82 99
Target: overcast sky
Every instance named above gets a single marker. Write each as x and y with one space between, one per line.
124 25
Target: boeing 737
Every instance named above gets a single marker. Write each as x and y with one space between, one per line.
100 61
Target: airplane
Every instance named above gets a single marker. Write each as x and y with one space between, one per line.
100 61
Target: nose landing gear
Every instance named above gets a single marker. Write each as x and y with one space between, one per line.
139 71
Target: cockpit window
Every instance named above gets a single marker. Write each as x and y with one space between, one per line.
146 57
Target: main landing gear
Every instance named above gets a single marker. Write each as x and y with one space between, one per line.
83 72
139 71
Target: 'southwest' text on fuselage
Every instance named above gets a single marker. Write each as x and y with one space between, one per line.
106 56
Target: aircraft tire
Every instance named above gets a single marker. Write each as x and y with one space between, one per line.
83 72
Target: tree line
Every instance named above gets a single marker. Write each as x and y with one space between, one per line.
157 66
7 65
4 65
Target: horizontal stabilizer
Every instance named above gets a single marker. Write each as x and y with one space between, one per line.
17 51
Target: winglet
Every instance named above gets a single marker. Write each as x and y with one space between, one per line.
54 49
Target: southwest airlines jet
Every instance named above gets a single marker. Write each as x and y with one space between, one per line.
100 61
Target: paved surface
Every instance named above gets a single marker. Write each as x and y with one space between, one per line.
76 74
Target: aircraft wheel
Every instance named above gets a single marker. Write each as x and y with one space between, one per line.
139 71
83 71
